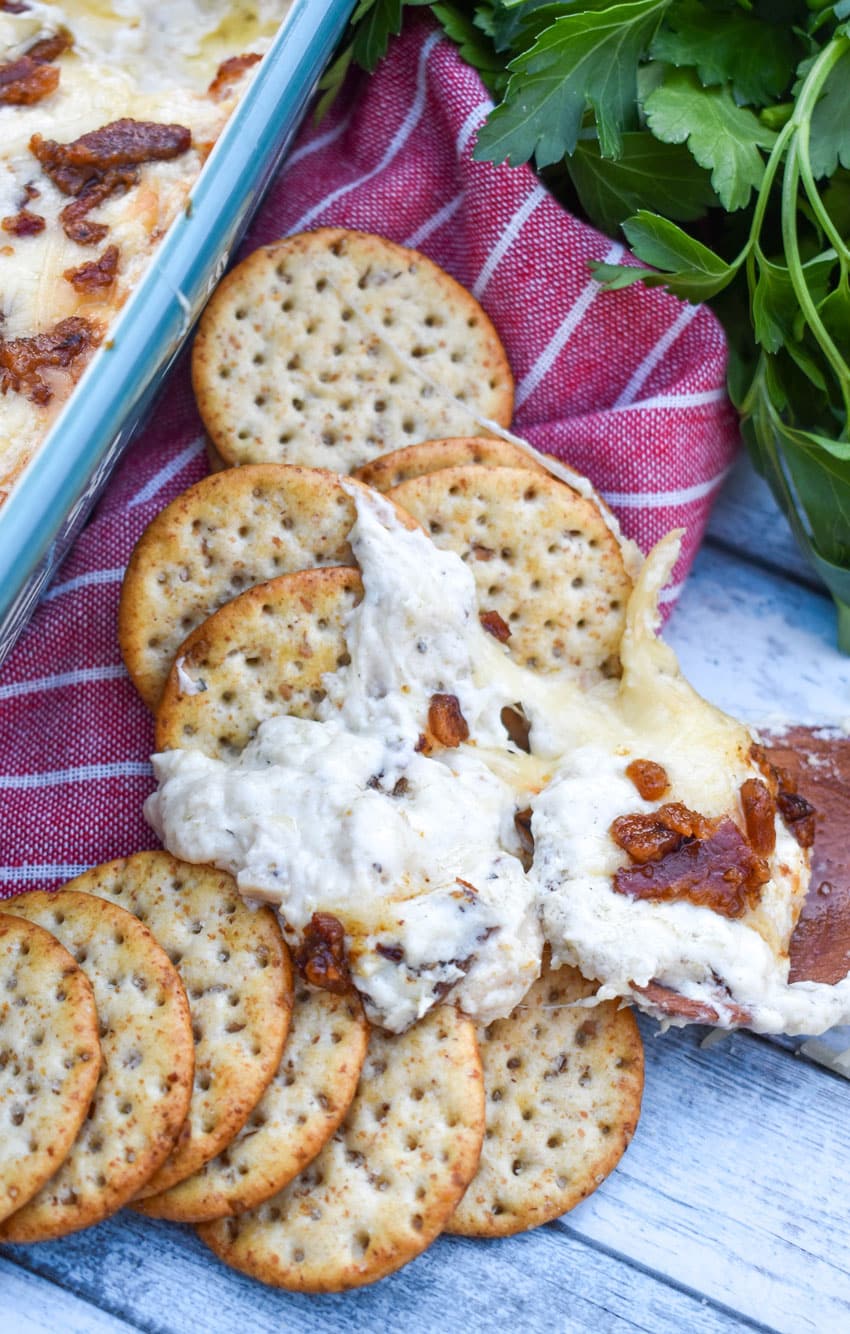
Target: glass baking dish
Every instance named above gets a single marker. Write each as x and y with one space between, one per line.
54 494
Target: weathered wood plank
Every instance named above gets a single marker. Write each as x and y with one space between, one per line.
161 1276
747 520
32 1305
759 646
734 1185
729 1190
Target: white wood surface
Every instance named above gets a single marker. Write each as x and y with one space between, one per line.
729 1210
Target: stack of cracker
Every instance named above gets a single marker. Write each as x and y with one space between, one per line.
316 1154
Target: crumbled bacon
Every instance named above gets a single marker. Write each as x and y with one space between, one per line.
321 955
759 809
23 223
97 273
647 838
495 626
394 953
231 70
797 813
446 723
74 217
799 816
517 726
47 49
649 778
25 81
23 359
13 6
718 870
102 162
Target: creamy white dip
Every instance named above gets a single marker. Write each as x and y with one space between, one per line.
417 855
136 60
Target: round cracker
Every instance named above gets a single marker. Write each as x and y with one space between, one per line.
543 557
382 1188
390 470
238 979
563 1086
332 346
226 533
143 1093
49 1057
259 656
296 1116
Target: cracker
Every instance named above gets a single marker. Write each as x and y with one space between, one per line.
563 1085
261 655
236 972
543 557
298 1113
391 470
223 535
330 347
142 1096
382 1188
49 1057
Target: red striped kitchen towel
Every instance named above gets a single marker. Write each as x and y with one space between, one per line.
627 387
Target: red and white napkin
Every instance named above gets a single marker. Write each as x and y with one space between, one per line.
627 387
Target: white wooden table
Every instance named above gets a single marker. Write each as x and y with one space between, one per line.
730 1210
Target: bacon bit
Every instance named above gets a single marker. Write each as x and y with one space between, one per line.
13 7
121 143
321 956
392 952
74 216
103 162
759 816
446 723
720 872
649 778
469 891
24 82
23 223
96 273
517 726
647 838
522 824
799 816
23 359
495 626
49 48
231 70
797 813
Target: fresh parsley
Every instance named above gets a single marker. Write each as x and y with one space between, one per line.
715 134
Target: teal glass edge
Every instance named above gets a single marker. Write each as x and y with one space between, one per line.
54 494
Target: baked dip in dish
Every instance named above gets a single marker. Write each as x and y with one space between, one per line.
112 235
107 115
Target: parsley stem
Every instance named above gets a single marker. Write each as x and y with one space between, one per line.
790 241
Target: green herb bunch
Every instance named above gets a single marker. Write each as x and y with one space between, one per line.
716 135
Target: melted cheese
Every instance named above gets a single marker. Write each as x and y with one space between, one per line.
138 60
314 816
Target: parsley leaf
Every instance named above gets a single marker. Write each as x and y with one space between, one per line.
378 21
647 174
585 58
692 271
755 57
724 138
474 45
829 141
